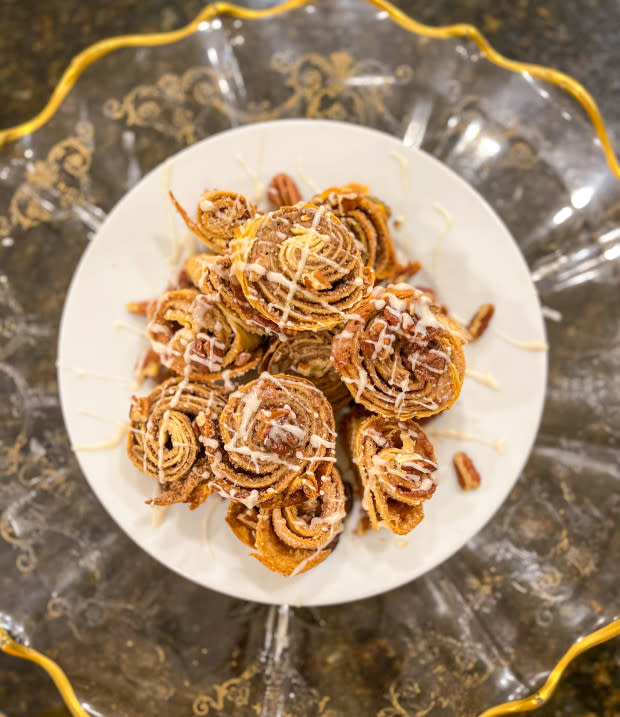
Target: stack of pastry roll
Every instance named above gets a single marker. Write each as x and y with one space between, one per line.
279 324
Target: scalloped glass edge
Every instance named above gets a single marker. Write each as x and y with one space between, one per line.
565 82
527 704
547 74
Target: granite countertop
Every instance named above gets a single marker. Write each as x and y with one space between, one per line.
577 36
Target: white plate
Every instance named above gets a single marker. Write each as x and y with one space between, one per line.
475 261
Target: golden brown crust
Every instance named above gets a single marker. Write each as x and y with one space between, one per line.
300 268
197 339
401 356
213 276
218 215
307 354
162 440
293 539
273 442
243 522
396 464
366 217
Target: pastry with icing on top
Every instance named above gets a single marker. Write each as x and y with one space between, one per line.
218 214
396 465
163 441
213 276
293 539
367 219
300 267
273 444
195 337
307 354
401 356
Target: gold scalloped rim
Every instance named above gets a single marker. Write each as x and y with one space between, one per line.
568 84
84 59
603 634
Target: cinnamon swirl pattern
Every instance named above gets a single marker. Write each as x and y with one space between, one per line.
367 220
401 356
396 465
213 276
198 339
163 441
300 267
307 354
272 444
293 539
217 217
289 293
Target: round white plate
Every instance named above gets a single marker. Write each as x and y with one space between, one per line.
470 258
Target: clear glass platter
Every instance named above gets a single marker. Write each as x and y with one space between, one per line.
486 627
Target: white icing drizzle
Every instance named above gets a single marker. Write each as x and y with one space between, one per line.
442 235
486 379
404 170
209 510
83 373
459 319
175 245
525 345
498 445
308 180
112 442
158 512
259 187
132 329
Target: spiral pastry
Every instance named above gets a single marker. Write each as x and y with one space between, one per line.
196 338
300 267
193 489
218 215
396 465
295 538
162 440
307 354
401 357
273 442
366 218
213 276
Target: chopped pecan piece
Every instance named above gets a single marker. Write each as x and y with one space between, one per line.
282 191
469 478
479 323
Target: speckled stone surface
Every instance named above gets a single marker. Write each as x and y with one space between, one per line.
577 36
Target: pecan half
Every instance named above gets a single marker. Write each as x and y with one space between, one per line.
479 323
469 478
283 191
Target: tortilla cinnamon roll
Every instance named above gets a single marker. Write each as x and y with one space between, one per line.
401 357
293 539
307 354
218 214
366 218
196 338
300 267
396 464
162 440
214 277
193 489
273 443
